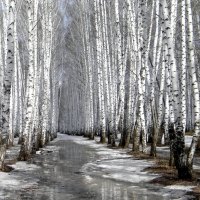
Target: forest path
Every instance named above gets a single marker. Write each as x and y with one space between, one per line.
74 168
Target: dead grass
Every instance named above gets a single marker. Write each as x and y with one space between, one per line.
140 155
168 176
161 166
189 133
195 192
6 167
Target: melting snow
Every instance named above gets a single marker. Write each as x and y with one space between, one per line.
119 166
110 164
115 164
180 187
188 140
14 182
23 166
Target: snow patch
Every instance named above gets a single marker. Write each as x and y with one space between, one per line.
7 180
180 187
116 164
132 178
24 166
88 178
188 140
196 167
10 181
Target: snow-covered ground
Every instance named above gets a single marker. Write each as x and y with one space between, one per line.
118 165
109 166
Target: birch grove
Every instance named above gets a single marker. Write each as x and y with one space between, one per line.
135 67
29 76
124 70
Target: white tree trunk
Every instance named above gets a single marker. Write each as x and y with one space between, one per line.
183 65
195 88
26 146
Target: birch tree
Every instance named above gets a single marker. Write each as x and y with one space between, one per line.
6 136
27 132
187 172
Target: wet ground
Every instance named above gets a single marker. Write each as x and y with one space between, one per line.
67 170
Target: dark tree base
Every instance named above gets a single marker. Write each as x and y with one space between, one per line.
103 140
23 156
185 173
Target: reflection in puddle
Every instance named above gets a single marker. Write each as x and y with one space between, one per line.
56 173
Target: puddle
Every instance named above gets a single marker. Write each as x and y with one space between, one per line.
65 170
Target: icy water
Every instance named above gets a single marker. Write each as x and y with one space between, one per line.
66 170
